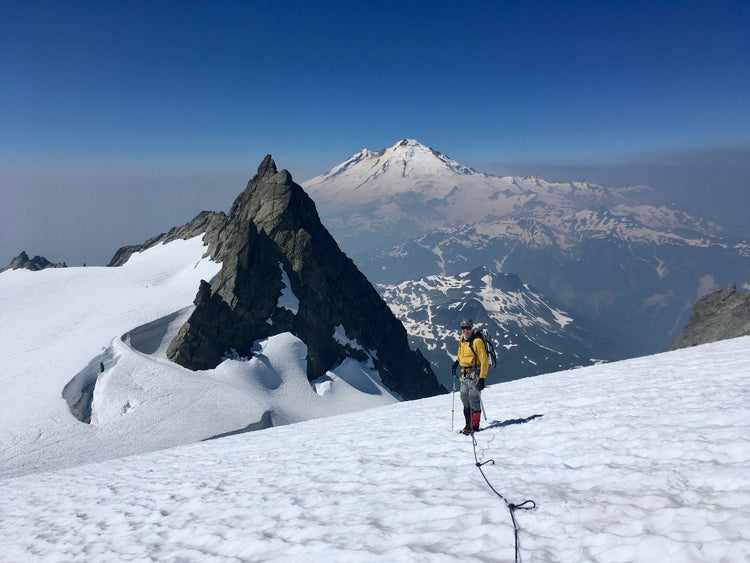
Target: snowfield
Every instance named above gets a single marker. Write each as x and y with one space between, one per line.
62 326
642 460
645 460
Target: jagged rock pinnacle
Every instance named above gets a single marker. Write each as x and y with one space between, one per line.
266 168
272 242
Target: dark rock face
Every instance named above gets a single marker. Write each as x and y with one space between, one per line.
205 222
283 272
719 315
35 263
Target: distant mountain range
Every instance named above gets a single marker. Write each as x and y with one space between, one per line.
532 334
615 255
442 241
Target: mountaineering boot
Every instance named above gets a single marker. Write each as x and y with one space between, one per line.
475 418
466 430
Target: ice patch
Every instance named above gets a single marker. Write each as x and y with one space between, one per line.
287 300
339 335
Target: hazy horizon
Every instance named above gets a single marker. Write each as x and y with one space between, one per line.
93 230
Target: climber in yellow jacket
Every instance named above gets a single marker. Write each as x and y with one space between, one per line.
474 363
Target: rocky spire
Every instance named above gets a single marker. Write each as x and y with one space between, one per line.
22 261
275 251
266 168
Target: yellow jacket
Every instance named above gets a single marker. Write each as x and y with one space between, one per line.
468 358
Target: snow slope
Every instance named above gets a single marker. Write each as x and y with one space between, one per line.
645 460
61 326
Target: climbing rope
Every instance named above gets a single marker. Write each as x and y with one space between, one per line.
525 505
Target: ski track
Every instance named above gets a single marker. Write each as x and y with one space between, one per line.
636 461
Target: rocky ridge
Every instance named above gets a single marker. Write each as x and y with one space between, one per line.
207 222
22 261
720 315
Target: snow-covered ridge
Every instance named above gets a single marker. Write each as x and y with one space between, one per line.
91 342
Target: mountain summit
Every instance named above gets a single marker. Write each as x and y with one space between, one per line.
283 272
368 176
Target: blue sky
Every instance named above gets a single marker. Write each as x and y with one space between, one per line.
124 116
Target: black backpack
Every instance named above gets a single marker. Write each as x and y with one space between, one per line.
484 336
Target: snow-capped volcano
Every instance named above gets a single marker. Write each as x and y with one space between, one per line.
406 167
414 188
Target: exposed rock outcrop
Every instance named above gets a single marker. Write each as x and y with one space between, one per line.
208 222
720 315
283 272
35 263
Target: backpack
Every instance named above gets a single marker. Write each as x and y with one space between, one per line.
484 336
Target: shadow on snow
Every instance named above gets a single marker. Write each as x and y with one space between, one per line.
498 424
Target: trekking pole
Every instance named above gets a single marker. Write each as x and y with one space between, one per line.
481 404
453 406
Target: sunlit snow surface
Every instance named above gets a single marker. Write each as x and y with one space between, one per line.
61 326
641 460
